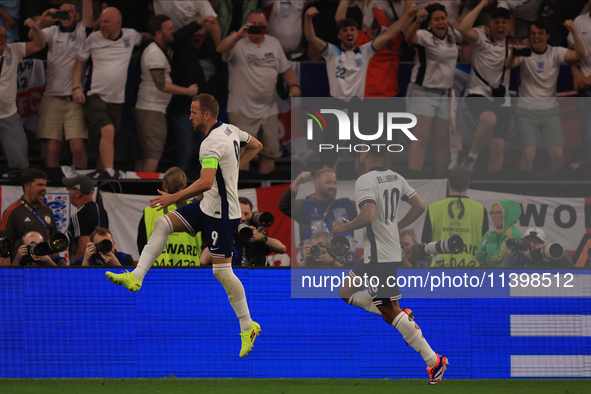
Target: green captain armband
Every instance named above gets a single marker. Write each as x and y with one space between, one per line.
210 162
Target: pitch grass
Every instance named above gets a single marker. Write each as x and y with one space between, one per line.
289 386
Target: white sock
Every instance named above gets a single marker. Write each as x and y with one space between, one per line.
413 336
154 247
473 155
363 300
111 172
225 275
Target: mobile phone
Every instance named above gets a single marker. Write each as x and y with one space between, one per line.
63 15
526 52
255 30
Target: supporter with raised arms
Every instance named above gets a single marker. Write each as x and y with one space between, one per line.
487 91
428 94
537 107
347 64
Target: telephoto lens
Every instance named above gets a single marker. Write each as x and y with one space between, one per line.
453 244
262 219
552 251
5 247
38 248
59 242
244 231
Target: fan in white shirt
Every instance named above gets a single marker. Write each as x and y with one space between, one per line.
537 107
431 81
59 117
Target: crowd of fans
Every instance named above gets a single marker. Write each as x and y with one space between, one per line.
181 47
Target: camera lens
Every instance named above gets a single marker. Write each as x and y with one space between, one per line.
105 246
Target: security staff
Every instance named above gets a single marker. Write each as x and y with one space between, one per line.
182 249
459 215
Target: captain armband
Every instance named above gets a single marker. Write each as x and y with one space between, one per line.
210 162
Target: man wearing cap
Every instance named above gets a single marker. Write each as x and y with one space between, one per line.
536 237
89 214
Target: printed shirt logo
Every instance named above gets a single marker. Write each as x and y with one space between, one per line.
541 66
228 131
126 42
359 62
27 219
9 62
47 219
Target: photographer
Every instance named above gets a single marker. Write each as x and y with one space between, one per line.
408 240
316 254
112 258
253 253
25 253
537 254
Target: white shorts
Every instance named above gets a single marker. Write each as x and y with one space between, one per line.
428 102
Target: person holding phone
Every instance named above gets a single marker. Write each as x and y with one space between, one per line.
59 115
537 107
255 60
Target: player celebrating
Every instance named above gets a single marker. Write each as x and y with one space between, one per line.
378 193
217 215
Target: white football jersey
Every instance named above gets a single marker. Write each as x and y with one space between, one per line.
347 69
385 189
223 143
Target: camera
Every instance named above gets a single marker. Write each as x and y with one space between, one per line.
258 220
501 91
339 246
244 231
5 247
453 244
38 248
262 219
517 245
552 251
526 52
105 246
255 30
317 250
63 15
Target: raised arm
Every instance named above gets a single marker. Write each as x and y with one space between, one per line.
87 15
232 39
579 53
401 25
417 207
470 34
314 41
46 20
8 19
512 60
341 10
411 32
38 42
